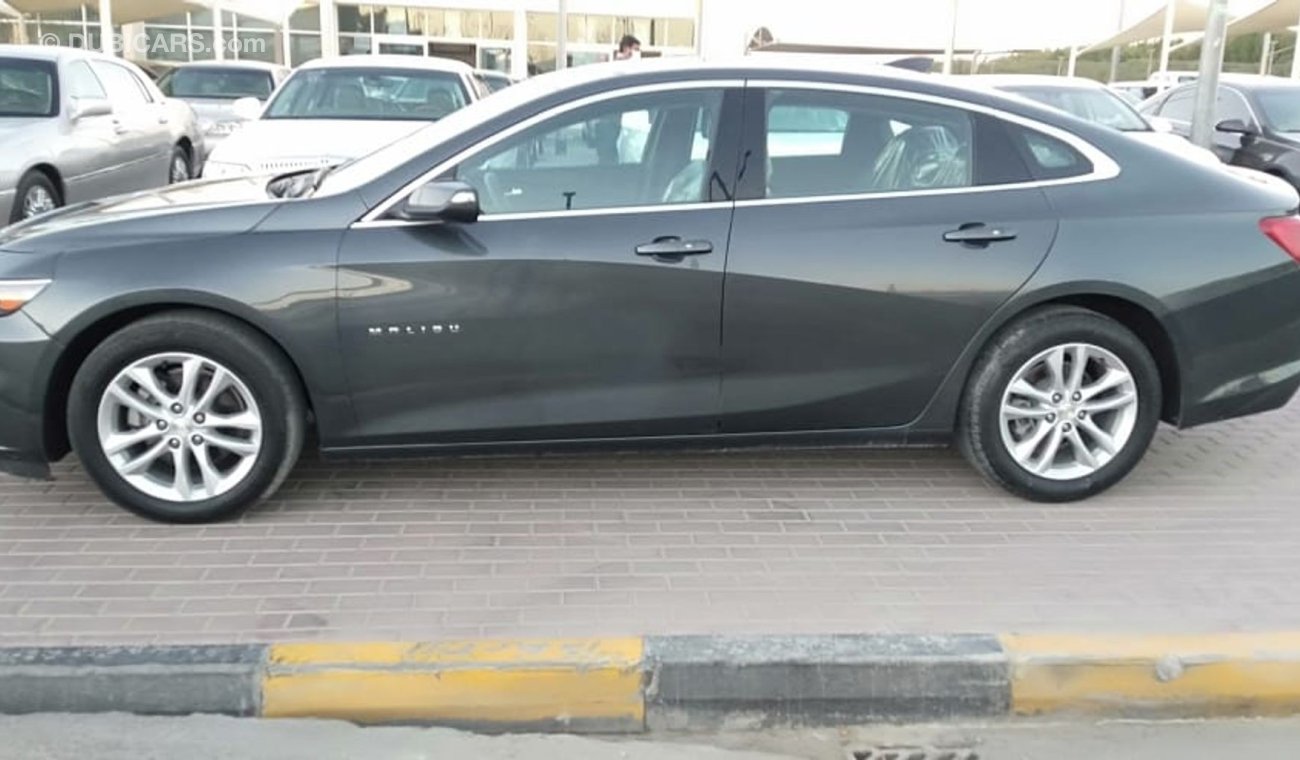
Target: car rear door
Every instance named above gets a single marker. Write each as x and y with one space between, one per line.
585 303
885 231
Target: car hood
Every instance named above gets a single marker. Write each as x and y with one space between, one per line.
182 211
272 145
1177 145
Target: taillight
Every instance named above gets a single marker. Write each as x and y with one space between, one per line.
1285 231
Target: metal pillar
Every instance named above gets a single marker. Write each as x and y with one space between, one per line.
562 37
1295 55
218 32
951 49
1166 39
1266 55
107 43
1118 50
1207 84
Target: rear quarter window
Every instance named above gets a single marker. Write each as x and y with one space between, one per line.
1047 157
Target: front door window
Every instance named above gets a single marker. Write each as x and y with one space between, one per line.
639 150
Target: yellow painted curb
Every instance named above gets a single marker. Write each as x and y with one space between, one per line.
1204 676
570 684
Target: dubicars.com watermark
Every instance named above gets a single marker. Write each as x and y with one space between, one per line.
163 44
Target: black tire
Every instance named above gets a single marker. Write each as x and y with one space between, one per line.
30 180
179 153
979 434
258 363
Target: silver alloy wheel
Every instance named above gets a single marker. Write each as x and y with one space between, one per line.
38 200
180 427
1069 411
180 171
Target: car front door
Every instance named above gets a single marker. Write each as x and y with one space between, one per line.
886 232
143 134
1232 148
1177 110
91 158
585 302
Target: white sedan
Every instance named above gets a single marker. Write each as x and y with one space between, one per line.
331 111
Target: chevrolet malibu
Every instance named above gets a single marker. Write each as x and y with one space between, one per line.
918 263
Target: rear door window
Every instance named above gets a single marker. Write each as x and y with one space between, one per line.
845 143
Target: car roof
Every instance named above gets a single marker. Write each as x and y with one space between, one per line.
415 62
54 53
257 65
1032 80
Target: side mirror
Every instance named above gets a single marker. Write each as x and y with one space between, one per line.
247 109
84 107
1161 124
1234 127
447 201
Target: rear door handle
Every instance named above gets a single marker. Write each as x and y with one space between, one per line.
674 248
979 234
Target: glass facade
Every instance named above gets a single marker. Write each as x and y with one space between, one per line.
592 38
482 38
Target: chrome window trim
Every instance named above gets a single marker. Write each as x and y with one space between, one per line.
375 214
1103 166
582 212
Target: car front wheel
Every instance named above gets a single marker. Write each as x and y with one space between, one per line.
36 195
186 417
1062 406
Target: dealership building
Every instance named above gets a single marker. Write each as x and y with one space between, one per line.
519 37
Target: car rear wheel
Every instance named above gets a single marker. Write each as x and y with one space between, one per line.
187 417
36 195
1062 406
179 169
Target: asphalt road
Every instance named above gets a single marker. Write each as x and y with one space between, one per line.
119 737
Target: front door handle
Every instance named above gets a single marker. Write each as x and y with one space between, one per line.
674 248
979 234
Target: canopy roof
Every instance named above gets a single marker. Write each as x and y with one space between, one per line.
1189 16
1282 14
131 11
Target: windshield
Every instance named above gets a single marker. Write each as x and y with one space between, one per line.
1281 108
368 93
27 88
217 84
1097 106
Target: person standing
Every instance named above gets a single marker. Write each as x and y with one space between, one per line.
629 48
608 130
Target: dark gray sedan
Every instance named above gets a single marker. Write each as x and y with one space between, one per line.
660 254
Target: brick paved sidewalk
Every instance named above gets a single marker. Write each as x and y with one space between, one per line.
1204 537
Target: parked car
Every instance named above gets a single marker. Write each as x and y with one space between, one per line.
967 267
334 110
212 88
76 126
492 81
1258 122
1094 102
1135 92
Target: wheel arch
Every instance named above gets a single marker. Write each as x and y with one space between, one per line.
52 173
80 338
1138 312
